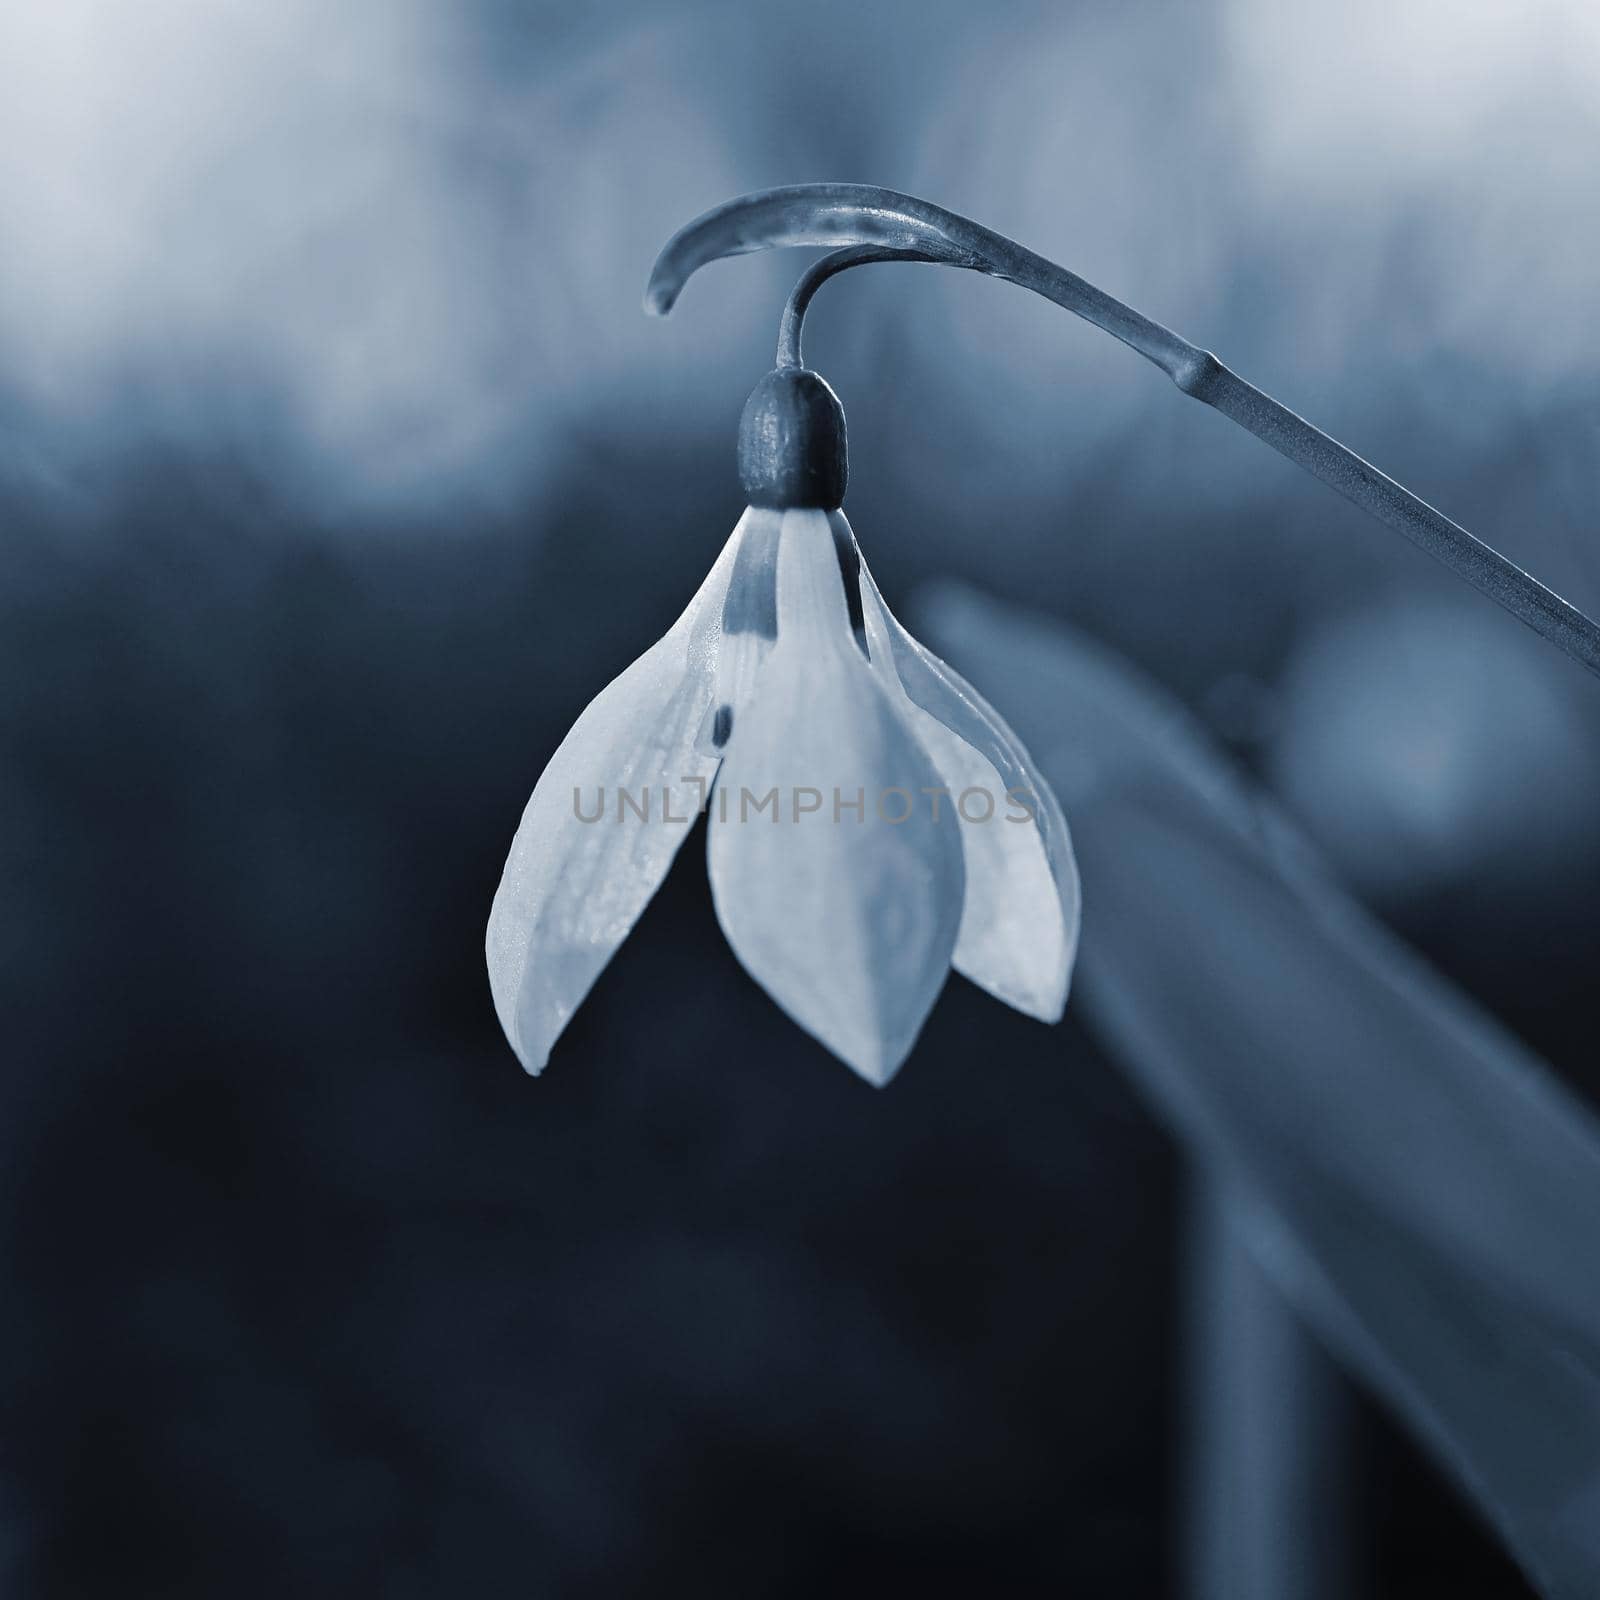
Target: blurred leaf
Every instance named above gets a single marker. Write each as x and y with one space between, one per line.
1425 1190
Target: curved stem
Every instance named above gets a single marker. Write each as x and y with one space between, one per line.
818 273
893 224
1273 1438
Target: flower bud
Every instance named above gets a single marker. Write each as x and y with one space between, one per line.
792 443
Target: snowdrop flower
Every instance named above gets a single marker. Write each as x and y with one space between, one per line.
871 821
821 738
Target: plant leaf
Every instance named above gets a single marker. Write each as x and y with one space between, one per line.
1426 1192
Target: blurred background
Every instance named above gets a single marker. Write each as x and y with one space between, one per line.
339 468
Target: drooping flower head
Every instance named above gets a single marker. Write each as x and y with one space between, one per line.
871 821
820 737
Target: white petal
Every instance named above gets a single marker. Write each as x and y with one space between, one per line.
1019 928
848 924
573 889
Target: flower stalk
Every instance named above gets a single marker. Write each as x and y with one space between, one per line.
874 224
